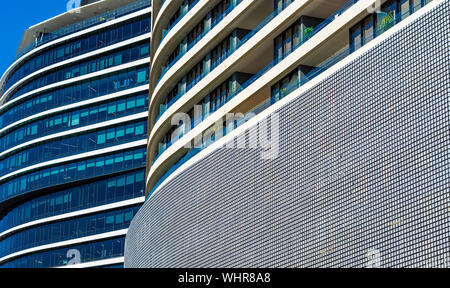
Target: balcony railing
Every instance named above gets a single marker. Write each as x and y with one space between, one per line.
216 63
182 14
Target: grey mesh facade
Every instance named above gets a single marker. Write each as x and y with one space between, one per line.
361 179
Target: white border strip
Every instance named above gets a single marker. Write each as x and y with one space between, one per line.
66 243
78 157
297 93
78 213
98 125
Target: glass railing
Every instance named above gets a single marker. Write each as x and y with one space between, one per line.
182 14
337 57
105 17
231 51
199 37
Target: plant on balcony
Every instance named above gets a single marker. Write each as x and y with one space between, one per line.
308 32
387 22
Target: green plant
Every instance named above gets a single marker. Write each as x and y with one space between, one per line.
308 31
387 21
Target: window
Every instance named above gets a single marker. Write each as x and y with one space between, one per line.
368 28
355 38
141 76
101 139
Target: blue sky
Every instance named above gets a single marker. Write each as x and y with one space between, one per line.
16 17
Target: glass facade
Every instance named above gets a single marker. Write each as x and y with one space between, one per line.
72 172
89 114
73 145
68 230
63 175
111 59
80 91
86 43
125 186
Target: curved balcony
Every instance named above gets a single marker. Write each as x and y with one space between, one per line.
170 39
261 34
322 33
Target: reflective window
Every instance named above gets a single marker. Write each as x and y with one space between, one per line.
73 93
71 145
88 66
67 230
74 119
99 39
72 172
